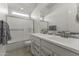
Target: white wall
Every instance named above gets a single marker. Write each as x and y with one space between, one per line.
3 11
64 17
37 11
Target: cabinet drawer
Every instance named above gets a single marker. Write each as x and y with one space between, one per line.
46 44
45 52
35 39
57 49
35 50
37 47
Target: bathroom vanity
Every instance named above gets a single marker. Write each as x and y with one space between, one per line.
52 45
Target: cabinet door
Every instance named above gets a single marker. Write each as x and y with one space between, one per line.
36 40
57 50
46 44
60 51
35 49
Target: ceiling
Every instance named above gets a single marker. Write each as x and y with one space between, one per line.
37 10
27 7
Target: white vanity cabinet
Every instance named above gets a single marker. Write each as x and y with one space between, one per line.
38 49
43 47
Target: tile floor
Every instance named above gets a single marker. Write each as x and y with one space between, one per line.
19 52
